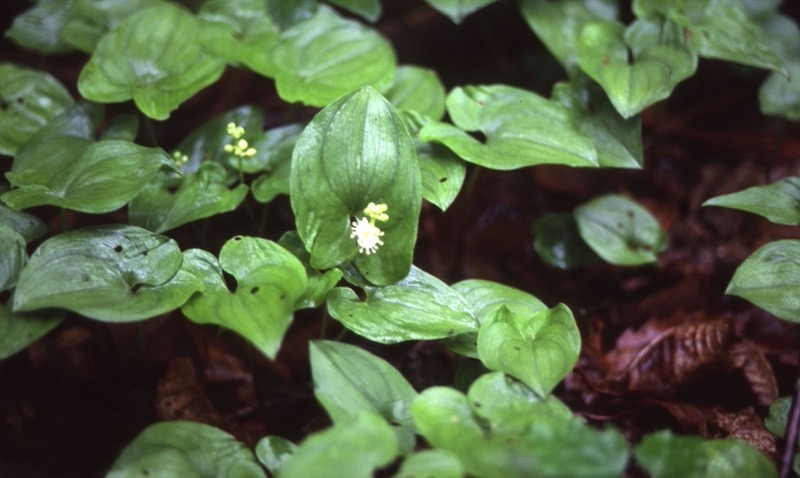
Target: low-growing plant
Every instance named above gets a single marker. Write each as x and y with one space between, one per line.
383 139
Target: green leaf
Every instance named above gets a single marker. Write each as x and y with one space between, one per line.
540 349
186 449
124 127
367 9
274 158
521 129
718 29
240 31
319 283
779 201
664 455
13 256
148 59
779 95
419 90
778 417
349 380
326 56
442 174
273 452
352 449
419 307
769 278
620 231
199 195
39 28
17 330
109 273
558 24
458 10
559 244
637 66
357 151
81 175
27 226
287 13
29 99
431 463
79 120
269 280
90 20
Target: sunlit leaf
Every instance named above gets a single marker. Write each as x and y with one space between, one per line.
620 231
431 463
442 174
770 277
559 244
108 273
326 56
273 451
539 349
89 20
357 151
269 280
287 13
18 330
28 100
368 9
419 307
39 28
458 10
521 129
148 59
779 201
185 449
779 95
664 455
419 90
82 175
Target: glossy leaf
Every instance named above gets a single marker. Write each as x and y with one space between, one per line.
319 283
90 20
539 349
419 307
442 174
718 29
29 99
637 66
558 24
109 273
779 201
665 455
352 449
148 60
559 244
419 90
273 451
78 174
18 330
39 28
79 120
458 10
199 195
620 231
356 151
274 159
27 226
778 418
326 56
769 278
521 129
779 95
124 127
185 449
431 463
240 31
13 255
287 13
349 381
269 280
367 9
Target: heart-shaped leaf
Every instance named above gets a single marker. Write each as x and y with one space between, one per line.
269 281
638 66
39 28
419 307
148 59
351 449
779 202
521 129
442 174
349 380
769 278
367 9
29 99
539 349
18 330
82 175
240 31
620 231
326 56
185 449
419 90
458 10
355 152
109 273
90 20
200 194
559 243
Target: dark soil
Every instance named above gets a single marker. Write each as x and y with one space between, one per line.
73 400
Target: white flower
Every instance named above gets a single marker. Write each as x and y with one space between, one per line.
367 235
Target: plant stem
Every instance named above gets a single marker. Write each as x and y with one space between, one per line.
790 442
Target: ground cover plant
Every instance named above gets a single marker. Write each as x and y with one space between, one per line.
363 238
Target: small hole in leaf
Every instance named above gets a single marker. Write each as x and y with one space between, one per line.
237 238
3 105
238 36
118 249
442 180
85 277
516 347
20 101
145 252
477 404
620 225
283 296
629 213
146 472
255 290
